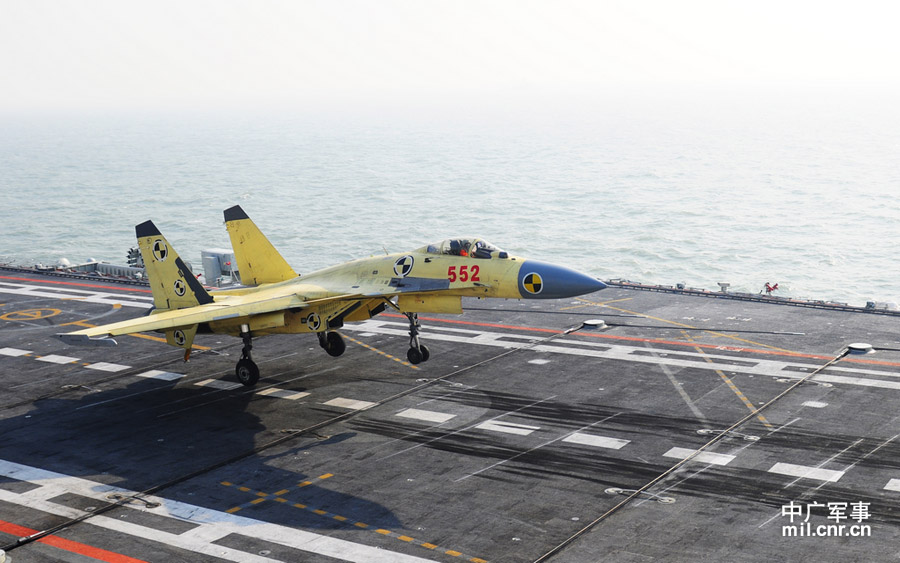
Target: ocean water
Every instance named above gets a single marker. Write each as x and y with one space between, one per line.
799 196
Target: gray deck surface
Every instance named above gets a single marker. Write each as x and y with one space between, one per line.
511 440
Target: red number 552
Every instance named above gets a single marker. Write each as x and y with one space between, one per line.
466 273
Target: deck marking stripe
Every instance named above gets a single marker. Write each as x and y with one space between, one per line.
703 457
676 323
771 352
218 384
58 282
427 416
893 485
507 427
749 404
596 441
158 374
815 404
377 351
106 366
465 428
351 404
68 545
14 352
210 523
283 393
376 326
55 359
679 388
349 521
804 471
535 448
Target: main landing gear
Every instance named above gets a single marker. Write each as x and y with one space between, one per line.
332 342
246 370
417 352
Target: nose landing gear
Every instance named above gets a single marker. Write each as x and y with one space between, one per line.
417 352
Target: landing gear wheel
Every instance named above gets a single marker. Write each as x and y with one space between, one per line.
417 352
334 344
415 356
247 372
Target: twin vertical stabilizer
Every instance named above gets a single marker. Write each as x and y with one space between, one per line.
173 284
258 261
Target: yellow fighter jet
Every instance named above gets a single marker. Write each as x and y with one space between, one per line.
275 300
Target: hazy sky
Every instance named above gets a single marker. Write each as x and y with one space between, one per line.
58 55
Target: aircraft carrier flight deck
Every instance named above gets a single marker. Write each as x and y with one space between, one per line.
681 428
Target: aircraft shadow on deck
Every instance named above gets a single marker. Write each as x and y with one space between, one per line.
118 438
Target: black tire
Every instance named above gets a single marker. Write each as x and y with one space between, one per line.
426 353
335 345
247 372
414 356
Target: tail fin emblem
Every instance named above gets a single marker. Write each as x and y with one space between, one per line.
160 251
179 288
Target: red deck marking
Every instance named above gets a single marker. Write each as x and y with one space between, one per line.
69 545
656 341
96 286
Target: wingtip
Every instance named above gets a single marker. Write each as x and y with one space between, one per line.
74 339
146 229
235 214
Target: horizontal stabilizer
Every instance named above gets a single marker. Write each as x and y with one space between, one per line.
85 340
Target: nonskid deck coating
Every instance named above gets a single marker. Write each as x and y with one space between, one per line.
512 439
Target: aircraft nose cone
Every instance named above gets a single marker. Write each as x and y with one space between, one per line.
540 280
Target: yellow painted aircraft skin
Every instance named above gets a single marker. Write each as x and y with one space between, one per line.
275 299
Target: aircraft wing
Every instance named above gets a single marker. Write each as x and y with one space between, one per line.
232 307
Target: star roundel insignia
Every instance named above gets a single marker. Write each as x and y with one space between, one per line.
313 322
179 288
179 337
403 266
160 250
533 283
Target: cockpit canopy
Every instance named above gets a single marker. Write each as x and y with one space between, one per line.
471 246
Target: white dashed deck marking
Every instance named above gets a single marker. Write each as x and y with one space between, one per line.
427 416
815 404
82 295
351 404
164 375
104 366
54 359
283 393
13 352
211 524
806 472
623 352
596 441
218 384
893 485
702 457
507 427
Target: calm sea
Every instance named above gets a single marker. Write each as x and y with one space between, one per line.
804 198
